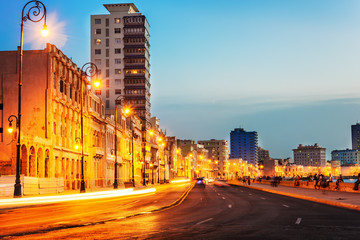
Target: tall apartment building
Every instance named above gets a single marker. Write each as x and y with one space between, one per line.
355 136
120 49
310 155
218 151
244 145
346 157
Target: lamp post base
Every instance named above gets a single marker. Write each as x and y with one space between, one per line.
82 186
116 185
17 190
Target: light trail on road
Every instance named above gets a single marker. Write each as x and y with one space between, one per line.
74 197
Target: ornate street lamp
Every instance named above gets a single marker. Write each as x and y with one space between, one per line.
34 11
87 70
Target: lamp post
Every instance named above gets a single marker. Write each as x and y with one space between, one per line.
33 11
128 112
116 184
87 70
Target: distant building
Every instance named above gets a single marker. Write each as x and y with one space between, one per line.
310 155
355 136
263 155
218 152
346 157
244 145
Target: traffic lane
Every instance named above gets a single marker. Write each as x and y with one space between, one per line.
28 219
295 218
175 222
206 214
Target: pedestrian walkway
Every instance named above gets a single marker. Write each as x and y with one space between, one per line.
335 198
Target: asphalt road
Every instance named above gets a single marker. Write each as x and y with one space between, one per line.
224 213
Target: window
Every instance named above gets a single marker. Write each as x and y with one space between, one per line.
98 41
117 40
98 62
117 30
107 42
61 85
117 50
107 62
97 31
117 91
116 20
107 32
99 72
117 60
107 73
97 21
107 103
107 93
107 83
97 51
98 92
107 52
107 22
117 71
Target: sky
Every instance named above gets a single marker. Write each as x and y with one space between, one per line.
288 69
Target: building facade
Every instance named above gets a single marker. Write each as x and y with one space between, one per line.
355 136
244 145
263 155
346 157
120 48
51 118
313 155
218 153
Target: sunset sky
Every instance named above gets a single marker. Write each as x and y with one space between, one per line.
288 69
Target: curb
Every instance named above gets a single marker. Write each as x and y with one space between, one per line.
312 199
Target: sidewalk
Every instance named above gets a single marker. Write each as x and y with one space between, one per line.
340 199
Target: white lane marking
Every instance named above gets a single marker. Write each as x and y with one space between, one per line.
285 205
229 206
250 194
155 201
209 219
223 197
242 191
298 221
263 198
218 194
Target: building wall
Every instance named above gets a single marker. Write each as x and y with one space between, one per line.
218 151
244 145
355 136
120 48
346 157
313 155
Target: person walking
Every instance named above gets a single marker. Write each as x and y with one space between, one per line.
338 181
356 184
316 179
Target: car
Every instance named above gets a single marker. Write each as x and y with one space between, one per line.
221 183
200 182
